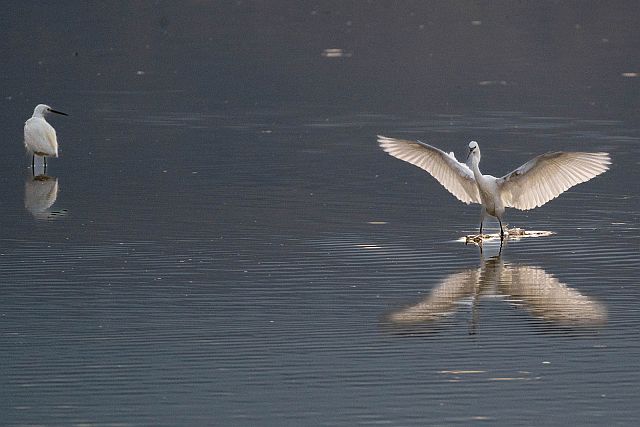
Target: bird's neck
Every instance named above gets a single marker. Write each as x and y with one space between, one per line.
476 170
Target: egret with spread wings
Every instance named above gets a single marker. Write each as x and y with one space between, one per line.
533 184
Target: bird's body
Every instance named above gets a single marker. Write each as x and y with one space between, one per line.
533 184
489 192
39 136
488 189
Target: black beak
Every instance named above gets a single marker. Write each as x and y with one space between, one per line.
470 151
57 112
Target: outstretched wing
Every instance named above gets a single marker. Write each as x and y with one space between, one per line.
545 177
453 175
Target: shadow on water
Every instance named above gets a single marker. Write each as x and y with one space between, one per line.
524 286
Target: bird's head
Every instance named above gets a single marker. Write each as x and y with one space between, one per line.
474 152
42 109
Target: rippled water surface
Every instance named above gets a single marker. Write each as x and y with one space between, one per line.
222 242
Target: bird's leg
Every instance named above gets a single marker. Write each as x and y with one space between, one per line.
501 230
33 164
483 214
44 158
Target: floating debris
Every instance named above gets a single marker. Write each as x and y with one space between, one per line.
493 83
336 53
630 75
512 233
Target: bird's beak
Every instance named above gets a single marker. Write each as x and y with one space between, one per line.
57 112
469 155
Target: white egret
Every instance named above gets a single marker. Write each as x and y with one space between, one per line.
533 184
39 136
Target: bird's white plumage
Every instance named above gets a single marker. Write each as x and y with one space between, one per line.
533 184
545 177
453 175
40 137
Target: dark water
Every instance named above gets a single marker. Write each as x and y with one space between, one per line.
222 242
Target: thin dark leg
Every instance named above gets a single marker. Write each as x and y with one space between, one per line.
33 163
501 230
483 215
45 164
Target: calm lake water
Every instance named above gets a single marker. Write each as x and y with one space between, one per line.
222 242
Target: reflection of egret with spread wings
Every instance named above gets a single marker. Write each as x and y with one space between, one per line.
40 193
532 288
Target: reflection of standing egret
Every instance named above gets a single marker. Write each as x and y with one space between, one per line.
39 136
40 193
538 292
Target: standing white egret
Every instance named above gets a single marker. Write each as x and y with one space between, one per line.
533 184
39 136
